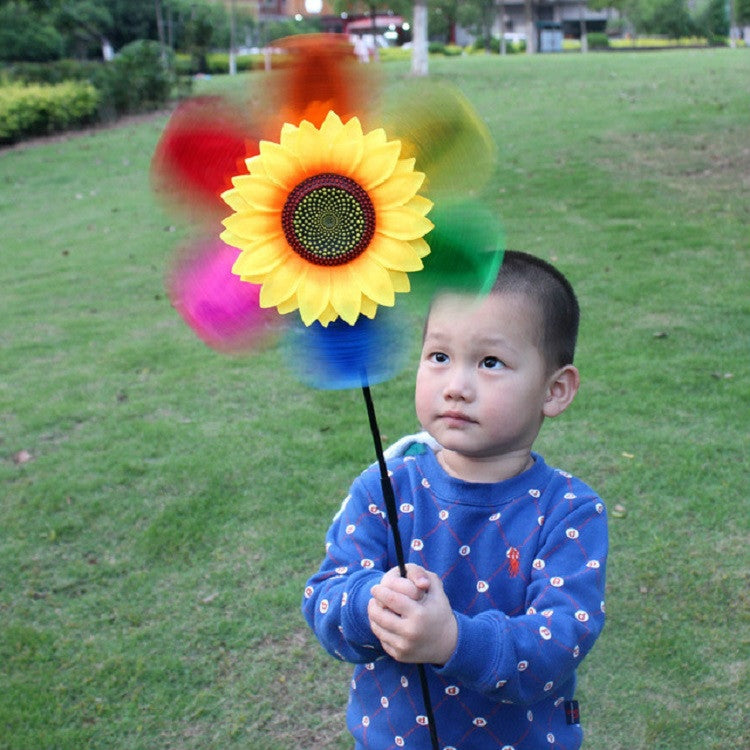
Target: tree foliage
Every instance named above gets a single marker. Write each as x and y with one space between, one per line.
25 36
443 18
675 18
478 16
37 30
712 20
742 12
668 17
83 24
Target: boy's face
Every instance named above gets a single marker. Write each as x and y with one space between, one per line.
482 382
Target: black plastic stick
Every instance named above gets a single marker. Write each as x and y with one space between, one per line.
392 514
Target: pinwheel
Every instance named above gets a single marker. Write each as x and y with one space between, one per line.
322 208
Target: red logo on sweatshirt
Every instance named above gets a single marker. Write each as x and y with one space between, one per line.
513 556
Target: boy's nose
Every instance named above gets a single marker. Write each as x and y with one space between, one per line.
459 386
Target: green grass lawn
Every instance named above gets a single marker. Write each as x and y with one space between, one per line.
161 506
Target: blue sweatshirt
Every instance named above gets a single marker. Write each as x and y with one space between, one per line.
522 562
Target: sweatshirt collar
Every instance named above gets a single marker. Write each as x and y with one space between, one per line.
459 491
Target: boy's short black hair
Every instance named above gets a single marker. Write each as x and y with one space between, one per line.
553 295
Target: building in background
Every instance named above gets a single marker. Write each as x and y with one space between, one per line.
553 20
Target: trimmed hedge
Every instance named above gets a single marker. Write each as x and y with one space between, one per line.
45 97
218 62
597 40
41 109
511 48
389 54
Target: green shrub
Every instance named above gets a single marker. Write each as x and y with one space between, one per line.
717 40
56 71
597 40
491 44
389 54
40 109
183 64
511 48
218 62
137 80
439 48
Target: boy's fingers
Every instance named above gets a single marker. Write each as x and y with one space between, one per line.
402 586
390 598
383 621
396 600
418 576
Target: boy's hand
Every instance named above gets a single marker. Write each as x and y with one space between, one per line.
412 617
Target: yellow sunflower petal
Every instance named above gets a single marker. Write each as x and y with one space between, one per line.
377 164
347 147
235 201
257 279
420 246
313 293
281 166
313 149
288 137
420 204
346 156
396 255
375 138
397 190
400 281
369 308
281 283
254 164
404 165
327 316
254 225
353 129
346 296
403 224
331 125
373 280
287 306
232 239
261 257
258 191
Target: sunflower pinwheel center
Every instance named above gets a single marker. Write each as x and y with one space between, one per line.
328 219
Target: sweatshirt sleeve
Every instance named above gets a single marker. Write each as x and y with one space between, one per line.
519 659
336 597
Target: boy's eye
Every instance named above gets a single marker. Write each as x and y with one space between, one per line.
492 363
439 357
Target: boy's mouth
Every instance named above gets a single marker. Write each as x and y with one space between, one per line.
456 416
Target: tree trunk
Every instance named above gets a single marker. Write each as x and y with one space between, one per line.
530 30
501 13
374 24
419 39
232 39
160 30
584 35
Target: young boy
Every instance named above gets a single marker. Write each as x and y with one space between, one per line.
505 586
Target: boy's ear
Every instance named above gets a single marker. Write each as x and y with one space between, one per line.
561 390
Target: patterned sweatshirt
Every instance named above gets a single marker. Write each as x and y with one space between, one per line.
522 562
